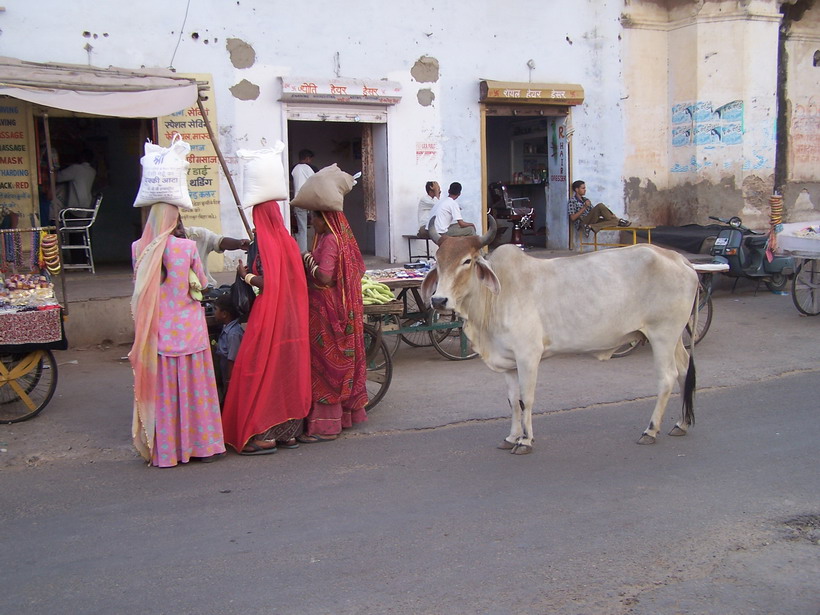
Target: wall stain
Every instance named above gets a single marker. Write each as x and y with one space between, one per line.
245 90
425 97
425 70
242 54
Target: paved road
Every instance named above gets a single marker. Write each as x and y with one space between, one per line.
417 512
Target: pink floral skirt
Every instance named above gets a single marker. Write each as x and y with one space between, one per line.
188 422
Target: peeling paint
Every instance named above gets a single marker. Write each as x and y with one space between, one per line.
425 70
426 97
242 54
245 90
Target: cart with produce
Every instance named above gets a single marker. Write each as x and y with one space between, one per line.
31 321
802 241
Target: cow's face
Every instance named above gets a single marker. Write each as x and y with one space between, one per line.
459 264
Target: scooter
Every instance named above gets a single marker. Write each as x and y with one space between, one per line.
746 252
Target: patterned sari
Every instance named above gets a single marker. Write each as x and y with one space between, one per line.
337 354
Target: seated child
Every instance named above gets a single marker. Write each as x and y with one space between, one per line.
227 347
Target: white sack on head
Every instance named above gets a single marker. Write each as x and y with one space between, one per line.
325 190
263 175
165 175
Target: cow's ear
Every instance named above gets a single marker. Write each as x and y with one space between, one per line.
487 276
429 285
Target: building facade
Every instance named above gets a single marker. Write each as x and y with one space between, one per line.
670 110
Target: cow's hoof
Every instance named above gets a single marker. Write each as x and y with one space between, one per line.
677 431
646 439
521 449
506 446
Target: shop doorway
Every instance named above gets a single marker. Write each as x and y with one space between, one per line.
117 145
350 145
525 157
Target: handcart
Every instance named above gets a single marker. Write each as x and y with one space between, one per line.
417 325
802 241
31 326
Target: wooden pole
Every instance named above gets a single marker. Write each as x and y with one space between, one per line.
52 178
224 166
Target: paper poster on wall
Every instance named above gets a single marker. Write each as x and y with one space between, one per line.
18 182
203 169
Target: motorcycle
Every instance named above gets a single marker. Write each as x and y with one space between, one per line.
748 256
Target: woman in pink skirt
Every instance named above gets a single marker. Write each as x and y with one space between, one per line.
176 406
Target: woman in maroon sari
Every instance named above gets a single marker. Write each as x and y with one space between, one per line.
269 394
337 356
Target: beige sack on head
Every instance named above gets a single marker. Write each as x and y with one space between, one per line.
325 190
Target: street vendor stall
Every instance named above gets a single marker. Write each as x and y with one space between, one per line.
802 240
416 325
31 321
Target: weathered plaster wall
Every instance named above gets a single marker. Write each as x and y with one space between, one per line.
801 194
719 114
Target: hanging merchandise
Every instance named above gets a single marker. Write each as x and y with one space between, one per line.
51 253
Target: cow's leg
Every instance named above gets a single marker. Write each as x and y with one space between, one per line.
513 398
682 364
663 352
527 378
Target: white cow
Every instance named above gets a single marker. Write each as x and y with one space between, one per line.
519 310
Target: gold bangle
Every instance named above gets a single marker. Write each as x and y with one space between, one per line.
248 279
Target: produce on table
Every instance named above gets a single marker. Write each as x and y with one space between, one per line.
375 293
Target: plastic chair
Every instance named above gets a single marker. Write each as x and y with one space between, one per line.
75 232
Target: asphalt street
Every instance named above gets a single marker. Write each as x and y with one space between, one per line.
417 511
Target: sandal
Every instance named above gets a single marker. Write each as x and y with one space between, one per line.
315 438
287 443
255 449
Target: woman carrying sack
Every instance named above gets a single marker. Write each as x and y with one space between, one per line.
269 394
176 406
338 363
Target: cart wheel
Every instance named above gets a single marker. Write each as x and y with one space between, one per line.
415 316
806 287
379 367
704 321
627 348
27 383
387 322
451 343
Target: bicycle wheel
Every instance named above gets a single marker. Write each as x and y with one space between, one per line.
387 322
704 321
27 383
806 287
379 367
451 343
416 316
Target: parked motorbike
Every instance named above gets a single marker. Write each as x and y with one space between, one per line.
745 251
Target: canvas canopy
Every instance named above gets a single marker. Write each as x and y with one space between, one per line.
116 92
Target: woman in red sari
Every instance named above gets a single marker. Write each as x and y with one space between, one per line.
337 356
269 394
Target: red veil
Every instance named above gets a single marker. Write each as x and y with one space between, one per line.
270 383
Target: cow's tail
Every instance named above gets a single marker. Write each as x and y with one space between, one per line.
688 410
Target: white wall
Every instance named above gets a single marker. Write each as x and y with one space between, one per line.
569 41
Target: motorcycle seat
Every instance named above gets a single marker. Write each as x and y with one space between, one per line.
756 241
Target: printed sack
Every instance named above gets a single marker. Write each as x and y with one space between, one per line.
325 190
263 175
165 175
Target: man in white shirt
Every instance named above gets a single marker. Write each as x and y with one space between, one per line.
426 205
79 178
448 215
300 174
207 241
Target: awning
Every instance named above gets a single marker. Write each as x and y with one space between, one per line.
505 92
116 92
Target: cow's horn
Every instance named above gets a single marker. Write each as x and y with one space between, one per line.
431 230
487 237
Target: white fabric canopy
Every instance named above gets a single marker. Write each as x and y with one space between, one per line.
111 91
